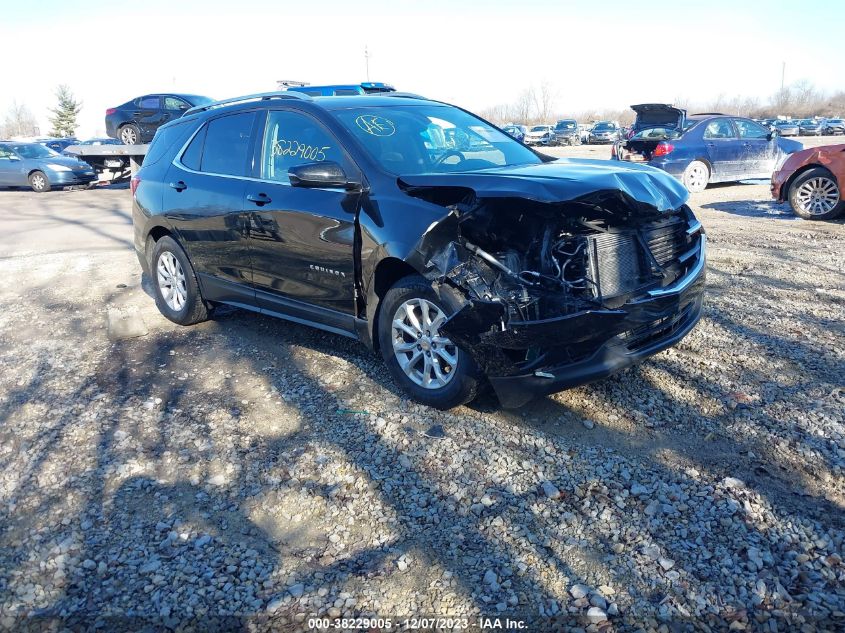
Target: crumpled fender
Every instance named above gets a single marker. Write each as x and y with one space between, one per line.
566 180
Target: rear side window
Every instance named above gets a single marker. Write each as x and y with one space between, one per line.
164 141
227 144
719 128
148 102
193 154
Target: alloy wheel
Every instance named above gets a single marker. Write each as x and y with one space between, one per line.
38 182
817 196
127 135
171 281
428 358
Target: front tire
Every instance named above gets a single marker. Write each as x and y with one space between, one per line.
177 292
423 362
39 182
129 134
815 195
696 176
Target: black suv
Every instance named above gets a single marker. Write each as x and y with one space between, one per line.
460 255
136 121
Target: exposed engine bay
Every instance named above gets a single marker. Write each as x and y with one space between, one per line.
550 275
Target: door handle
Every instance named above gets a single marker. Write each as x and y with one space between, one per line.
179 186
260 199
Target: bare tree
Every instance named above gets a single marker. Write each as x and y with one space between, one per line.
19 122
524 106
544 99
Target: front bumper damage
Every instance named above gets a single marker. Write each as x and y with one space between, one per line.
567 290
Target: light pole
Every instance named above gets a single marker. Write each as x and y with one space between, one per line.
367 61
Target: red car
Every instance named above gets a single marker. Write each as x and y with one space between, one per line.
811 180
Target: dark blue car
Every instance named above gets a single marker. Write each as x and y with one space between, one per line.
703 148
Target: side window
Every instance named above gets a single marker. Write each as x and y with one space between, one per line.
5 154
719 128
149 102
345 91
293 138
227 145
174 103
750 129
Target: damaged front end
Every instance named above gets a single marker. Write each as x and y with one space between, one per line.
559 293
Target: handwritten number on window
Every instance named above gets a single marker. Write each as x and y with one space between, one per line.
283 147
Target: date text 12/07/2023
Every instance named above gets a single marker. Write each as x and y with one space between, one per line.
420 623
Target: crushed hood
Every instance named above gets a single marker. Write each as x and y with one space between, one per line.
564 180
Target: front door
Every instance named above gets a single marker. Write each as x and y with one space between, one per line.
723 149
204 202
301 240
759 149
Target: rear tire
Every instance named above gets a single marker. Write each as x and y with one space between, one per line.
815 195
696 176
177 292
129 134
433 371
39 182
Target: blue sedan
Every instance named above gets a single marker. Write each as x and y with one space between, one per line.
39 167
703 149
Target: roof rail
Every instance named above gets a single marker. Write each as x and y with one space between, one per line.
709 114
261 96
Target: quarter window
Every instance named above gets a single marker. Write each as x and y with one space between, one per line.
291 139
226 146
750 129
719 128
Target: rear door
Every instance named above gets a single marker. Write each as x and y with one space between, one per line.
9 167
302 239
148 114
723 148
759 149
204 202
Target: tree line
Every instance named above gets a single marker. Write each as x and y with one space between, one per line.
537 105
19 120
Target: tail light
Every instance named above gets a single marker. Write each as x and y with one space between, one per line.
663 148
110 111
133 184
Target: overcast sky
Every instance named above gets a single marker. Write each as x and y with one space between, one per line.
598 54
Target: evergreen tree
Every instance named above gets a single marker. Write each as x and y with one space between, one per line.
64 115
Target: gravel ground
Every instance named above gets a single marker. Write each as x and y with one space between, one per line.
258 470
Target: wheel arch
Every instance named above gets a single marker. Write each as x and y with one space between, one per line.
387 272
784 190
154 235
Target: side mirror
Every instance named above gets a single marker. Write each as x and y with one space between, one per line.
326 174
13 157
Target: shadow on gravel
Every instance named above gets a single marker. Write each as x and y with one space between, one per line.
130 502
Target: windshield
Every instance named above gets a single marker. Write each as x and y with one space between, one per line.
33 151
601 127
565 125
423 139
540 128
200 101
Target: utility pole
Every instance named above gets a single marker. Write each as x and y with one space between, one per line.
782 75
367 61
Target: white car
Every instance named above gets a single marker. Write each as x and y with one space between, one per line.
539 135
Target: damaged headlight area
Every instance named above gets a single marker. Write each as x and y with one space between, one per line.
548 285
